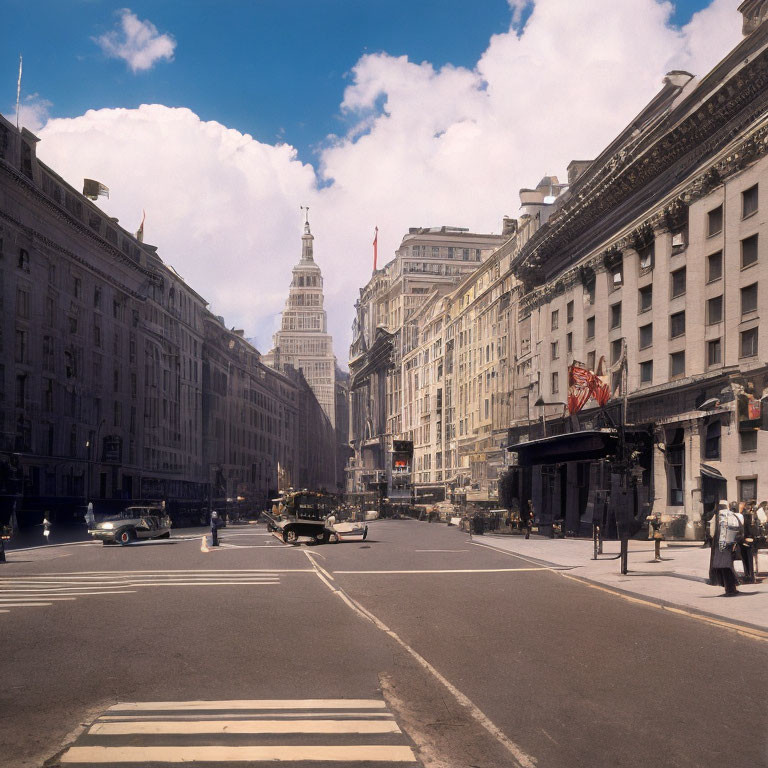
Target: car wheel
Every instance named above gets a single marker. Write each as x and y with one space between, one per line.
290 536
332 538
125 537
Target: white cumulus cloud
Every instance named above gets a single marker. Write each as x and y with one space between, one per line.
137 42
425 146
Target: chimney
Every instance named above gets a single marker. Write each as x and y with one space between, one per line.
576 168
754 13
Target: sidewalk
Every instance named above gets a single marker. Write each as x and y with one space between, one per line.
679 580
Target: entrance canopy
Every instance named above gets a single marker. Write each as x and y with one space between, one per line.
572 446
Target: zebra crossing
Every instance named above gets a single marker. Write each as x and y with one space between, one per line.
299 732
42 590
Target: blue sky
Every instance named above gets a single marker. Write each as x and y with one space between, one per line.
441 111
276 69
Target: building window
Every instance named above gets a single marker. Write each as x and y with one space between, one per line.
555 350
676 364
23 262
77 287
616 347
555 316
555 383
21 346
617 277
676 325
21 390
569 343
646 372
748 441
748 343
646 336
591 360
645 298
748 489
616 315
646 257
748 251
715 221
749 299
714 266
590 328
748 202
569 312
715 310
96 297
676 465
117 413
678 282
590 289
714 352
712 443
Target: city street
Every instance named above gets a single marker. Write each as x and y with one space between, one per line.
416 647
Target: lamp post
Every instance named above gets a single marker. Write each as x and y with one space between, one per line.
541 403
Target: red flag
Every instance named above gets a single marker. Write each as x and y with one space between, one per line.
375 248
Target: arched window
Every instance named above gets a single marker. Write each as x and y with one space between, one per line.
712 444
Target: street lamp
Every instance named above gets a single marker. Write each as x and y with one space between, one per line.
541 403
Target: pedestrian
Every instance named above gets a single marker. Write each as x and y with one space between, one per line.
46 529
747 545
90 520
654 532
526 518
215 522
728 533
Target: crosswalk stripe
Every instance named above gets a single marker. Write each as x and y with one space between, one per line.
22 605
239 754
158 706
243 726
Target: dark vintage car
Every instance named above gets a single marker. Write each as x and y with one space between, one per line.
133 523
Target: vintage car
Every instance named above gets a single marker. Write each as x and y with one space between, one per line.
131 524
310 515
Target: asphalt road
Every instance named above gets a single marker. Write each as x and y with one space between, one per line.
417 644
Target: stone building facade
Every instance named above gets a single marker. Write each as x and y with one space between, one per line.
428 260
303 341
102 355
647 267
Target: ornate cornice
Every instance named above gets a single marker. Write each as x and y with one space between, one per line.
29 189
51 245
657 159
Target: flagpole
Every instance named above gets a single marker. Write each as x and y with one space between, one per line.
18 94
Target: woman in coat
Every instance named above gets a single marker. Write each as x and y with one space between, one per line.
729 531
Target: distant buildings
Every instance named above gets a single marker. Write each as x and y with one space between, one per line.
303 341
645 268
116 382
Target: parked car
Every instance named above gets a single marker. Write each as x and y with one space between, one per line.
133 523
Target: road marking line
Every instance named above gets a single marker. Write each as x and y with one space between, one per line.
755 634
523 760
48 596
318 566
456 570
180 570
441 550
158 727
192 706
295 715
22 605
208 754
16 599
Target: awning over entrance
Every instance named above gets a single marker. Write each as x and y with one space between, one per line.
572 446
712 472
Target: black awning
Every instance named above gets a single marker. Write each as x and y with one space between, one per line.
712 472
572 446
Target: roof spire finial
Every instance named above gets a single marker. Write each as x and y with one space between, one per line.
305 208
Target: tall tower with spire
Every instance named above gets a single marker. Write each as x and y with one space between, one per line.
303 340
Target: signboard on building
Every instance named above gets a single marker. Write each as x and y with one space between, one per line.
112 448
